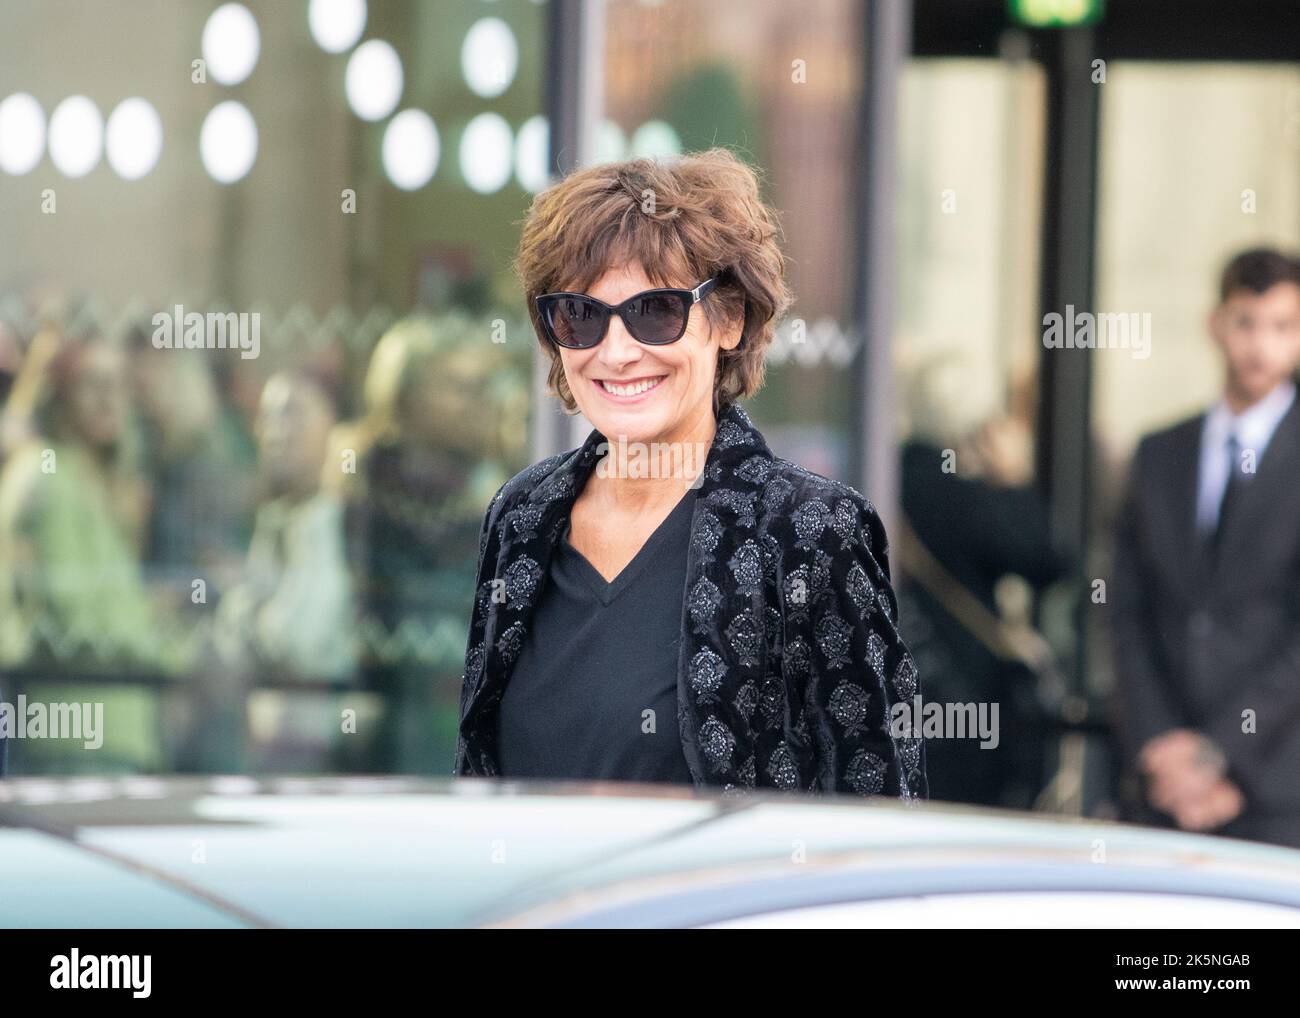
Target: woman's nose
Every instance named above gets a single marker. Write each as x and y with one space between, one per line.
619 347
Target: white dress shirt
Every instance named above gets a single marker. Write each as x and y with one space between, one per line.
1253 429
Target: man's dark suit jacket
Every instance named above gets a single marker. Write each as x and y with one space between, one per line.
1201 637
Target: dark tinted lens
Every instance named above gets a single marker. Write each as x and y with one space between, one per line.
657 318
576 321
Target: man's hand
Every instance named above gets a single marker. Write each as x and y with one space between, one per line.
1221 803
1178 768
1186 779
1171 749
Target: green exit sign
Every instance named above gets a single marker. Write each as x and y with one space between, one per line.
1056 13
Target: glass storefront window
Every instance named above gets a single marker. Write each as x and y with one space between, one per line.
263 362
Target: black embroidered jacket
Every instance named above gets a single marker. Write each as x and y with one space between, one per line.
790 660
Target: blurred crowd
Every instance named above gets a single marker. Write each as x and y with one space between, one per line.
254 564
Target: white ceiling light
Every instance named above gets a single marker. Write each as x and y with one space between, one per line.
489 57
228 142
533 154
656 139
231 43
485 153
134 138
410 149
76 136
373 80
22 134
336 25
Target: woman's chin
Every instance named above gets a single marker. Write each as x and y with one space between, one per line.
619 429
632 423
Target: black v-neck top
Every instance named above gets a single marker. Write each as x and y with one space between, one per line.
593 695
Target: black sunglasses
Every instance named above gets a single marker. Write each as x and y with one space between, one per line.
654 317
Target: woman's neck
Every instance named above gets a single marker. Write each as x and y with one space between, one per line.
641 476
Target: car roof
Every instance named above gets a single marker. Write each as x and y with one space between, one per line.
385 852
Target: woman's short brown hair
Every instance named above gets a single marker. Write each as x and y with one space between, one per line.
682 221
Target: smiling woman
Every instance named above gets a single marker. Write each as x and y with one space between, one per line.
711 620
677 224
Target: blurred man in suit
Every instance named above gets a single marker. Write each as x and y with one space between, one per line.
1207 580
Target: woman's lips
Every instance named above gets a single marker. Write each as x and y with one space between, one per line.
630 390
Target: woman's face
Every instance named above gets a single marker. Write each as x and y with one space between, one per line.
293 430
96 406
445 406
680 375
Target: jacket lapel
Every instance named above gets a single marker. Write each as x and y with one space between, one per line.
1181 482
1265 497
724 650
527 536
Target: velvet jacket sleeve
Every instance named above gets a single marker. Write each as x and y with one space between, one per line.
861 680
474 654
882 663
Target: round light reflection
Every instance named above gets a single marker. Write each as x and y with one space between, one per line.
533 154
22 134
611 142
228 142
373 81
485 153
134 138
336 25
231 43
656 139
410 149
489 57
76 136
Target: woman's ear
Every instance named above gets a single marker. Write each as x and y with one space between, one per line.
729 334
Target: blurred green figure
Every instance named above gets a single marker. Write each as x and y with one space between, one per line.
444 423
72 595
